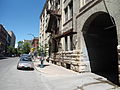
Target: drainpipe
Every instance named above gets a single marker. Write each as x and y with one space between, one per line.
109 15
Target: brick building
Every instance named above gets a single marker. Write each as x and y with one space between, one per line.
3 39
35 42
13 38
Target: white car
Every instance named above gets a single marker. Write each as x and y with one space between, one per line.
25 63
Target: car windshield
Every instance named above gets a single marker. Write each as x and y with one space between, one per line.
25 59
25 55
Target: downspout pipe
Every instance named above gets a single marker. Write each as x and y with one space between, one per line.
108 12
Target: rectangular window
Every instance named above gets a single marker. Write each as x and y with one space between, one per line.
84 2
57 4
66 44
81 3
71 42
64 1
71 9
66 14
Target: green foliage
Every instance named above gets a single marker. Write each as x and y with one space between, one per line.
24 48
11 51
42 49
20 43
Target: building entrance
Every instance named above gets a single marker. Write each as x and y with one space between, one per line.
100 35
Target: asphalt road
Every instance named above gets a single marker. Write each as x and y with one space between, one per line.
13 79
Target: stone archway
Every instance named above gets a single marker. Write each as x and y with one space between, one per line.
100 37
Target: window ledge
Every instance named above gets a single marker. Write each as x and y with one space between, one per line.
67 21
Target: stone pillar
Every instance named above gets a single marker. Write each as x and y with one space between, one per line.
84 59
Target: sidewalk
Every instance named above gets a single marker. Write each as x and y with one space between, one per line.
51 69
61 78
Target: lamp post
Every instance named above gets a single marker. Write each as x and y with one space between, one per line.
0 47
31 35
32 49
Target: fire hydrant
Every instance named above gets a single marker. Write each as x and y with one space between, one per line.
42 63
42 59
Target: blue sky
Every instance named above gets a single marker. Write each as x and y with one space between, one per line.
21 16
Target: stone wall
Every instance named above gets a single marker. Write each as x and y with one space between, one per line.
68 59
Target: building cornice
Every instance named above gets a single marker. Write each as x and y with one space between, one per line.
44 8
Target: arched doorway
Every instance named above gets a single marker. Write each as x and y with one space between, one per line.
100 37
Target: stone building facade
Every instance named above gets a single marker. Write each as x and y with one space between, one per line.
46 26
43 36
97 25
88 36
13 38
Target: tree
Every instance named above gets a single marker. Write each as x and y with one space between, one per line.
46 49
43 50
26 48
23 48
20 44
11 51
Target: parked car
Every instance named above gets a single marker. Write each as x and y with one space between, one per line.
25 62
25 55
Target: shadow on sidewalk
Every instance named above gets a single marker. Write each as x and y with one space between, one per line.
45 65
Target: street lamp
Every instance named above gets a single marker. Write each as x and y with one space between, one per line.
31 35
42 54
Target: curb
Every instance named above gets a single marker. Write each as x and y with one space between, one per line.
36 68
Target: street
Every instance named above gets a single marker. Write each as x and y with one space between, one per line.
51 77
13 79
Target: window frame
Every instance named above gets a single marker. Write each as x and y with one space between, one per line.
66 14
84 2
70 9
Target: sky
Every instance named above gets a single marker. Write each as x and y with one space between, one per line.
22 17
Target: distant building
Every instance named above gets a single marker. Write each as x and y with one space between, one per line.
8 39
35 42
3 40
13 38
28 41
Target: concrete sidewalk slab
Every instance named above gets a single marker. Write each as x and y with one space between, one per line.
51 69
60 78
